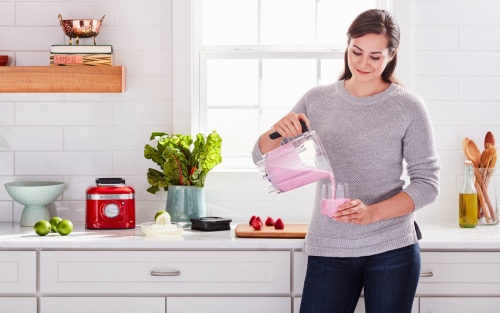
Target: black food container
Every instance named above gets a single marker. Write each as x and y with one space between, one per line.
211 223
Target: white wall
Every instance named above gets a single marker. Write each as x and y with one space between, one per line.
78 137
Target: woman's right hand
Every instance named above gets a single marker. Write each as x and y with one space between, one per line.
289 125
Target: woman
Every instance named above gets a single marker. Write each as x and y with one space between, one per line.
369 126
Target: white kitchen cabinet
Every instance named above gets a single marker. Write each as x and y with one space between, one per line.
17 272
360 307
460 305
165 272
18 304
101 305
460 274
229 305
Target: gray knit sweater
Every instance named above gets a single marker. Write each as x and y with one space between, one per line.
368 140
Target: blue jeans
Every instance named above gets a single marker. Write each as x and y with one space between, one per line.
389 279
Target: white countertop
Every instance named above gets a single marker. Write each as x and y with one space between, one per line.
438 237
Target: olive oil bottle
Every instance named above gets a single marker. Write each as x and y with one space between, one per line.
467 200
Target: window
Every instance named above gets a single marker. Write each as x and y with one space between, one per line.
252 60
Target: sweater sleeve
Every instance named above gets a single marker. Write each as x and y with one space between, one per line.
419 151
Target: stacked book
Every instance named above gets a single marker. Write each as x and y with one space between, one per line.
90 55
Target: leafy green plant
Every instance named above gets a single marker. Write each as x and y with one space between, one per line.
182 161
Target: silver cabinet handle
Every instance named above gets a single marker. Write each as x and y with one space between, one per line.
427 274
173 273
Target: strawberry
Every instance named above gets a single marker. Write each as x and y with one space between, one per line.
269 221
258 218
251 220
257 224
279 224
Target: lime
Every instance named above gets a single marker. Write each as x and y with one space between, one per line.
164 215
65 227
53 223
42 227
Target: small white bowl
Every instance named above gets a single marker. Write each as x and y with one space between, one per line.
34 195
152 229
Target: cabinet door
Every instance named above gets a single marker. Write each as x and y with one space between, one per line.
229 305
460 305
18 304
360 308
102 305
17 272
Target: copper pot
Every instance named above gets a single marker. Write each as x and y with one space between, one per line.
80 28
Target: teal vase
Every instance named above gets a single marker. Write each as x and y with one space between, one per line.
185 203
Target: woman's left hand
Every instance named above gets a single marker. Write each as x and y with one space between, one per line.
354 211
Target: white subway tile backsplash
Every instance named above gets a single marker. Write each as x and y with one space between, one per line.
132 163
446 137
7 115
6 161
463 113
33 138
479 88
436 87
44 13
145 63
63 163
141 113
152 14
6 208
39 113
475 38
77 137
30 38
455 12
435 63
7 13
140 88
435 38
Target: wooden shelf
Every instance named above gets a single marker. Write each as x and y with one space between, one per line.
16 79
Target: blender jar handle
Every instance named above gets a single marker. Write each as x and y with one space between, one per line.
276 135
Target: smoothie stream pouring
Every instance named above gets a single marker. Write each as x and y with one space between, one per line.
298 163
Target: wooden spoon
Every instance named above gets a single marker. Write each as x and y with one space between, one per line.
489 139
475 156
473 153
464 147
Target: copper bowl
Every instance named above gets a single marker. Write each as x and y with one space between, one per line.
80 28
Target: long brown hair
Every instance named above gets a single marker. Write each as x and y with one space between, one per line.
375 21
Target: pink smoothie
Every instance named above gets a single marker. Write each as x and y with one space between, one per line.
286 179
330 206
286 170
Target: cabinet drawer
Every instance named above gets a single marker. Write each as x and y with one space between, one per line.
17 272
102 304
460 273
459 305
18 304
165 272
229 304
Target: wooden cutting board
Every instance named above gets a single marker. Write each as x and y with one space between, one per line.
290 231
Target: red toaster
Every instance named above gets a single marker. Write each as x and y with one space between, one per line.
110 205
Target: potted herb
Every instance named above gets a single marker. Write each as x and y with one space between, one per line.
184 165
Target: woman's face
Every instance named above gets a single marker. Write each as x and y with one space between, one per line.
367 57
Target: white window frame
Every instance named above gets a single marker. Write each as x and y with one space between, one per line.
186 102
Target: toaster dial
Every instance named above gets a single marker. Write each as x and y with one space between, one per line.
111 210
